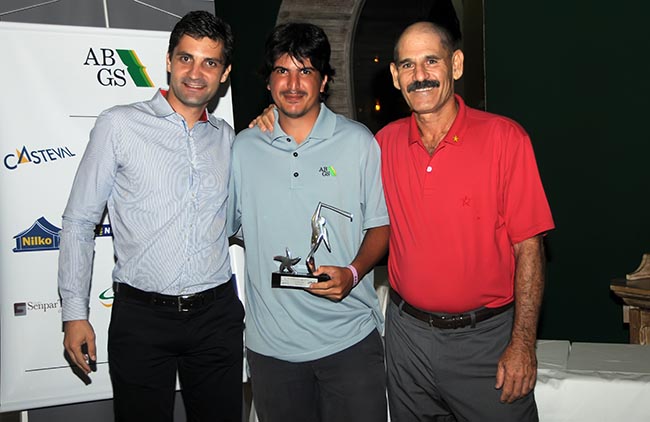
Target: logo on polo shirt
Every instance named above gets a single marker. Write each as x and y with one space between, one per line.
113 73
327 171
36 156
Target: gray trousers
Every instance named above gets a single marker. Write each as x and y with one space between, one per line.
348 386
448 374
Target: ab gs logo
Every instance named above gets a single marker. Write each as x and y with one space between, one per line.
110 72
327 171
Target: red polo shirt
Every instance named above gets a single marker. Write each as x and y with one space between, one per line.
455 214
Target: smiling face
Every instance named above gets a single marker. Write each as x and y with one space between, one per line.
196 70
295 87
425 70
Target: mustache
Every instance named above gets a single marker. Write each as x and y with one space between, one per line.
427 83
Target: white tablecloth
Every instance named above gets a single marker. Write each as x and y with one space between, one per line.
593 382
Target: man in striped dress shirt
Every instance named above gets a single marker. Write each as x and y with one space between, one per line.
161 167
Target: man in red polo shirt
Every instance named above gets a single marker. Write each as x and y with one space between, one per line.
466 264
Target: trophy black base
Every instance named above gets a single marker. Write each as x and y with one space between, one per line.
296 281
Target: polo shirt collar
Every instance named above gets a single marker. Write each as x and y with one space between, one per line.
322 130
162 108
455 134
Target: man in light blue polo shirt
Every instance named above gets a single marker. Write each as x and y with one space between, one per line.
316 353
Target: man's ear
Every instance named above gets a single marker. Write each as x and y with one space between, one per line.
323 83
457 60
226 72
393 72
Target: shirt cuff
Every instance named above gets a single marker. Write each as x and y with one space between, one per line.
74 308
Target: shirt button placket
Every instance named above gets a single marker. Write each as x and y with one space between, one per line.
192 205
295 170
429 179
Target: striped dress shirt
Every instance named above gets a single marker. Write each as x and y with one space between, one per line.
165 187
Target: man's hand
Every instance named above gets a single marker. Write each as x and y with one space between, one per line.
265 120
78 333
516 372
337 287
373 247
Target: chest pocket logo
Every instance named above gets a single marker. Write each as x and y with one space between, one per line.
327 171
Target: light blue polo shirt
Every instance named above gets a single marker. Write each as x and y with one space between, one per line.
275 187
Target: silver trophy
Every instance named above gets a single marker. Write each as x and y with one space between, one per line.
287 276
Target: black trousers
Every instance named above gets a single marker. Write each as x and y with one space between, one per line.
148 345
348 386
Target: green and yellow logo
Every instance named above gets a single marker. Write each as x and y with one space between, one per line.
106 298
135 68
326 171
112 73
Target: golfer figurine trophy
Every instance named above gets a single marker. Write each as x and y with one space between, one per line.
287 276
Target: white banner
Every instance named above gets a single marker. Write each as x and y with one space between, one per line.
56 80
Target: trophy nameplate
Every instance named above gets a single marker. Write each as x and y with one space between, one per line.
298 281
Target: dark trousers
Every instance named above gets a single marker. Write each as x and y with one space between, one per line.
349 386
148 345
449 374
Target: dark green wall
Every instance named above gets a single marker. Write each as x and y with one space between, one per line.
251 22
575 77
573 74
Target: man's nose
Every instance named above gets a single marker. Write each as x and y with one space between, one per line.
420 73
294 80
195 70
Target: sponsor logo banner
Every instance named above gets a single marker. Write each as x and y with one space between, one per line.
113 73
41 236
24 308
36 156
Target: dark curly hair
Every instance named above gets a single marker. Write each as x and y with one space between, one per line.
301 41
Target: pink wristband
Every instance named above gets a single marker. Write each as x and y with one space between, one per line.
355 275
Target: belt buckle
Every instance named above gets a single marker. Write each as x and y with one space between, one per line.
431 319
454 321
184 302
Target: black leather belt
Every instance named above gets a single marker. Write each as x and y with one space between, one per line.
183 303
448 320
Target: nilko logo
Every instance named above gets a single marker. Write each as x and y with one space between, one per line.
113 73
36 156
326 171
44 236
41 236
